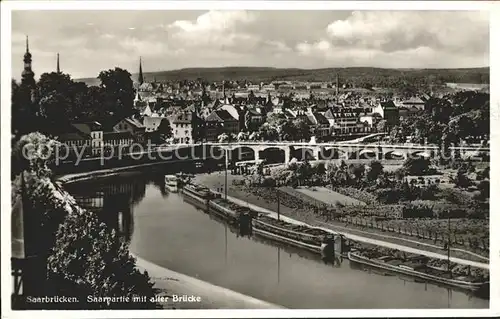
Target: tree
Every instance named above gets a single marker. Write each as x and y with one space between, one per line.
302 129
461 180
50 82
320 169
164 131
374 171
382 126
242 136
287 131
416 166
61 99
268 132
84 257
304 171
276 120
331 173
23 110
485 174
465 127
358 171
484 189
118 92
223 138
55 108
34 152
342 176
94 109
96 264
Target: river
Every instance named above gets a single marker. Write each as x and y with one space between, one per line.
166 230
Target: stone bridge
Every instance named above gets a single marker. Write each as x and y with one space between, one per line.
346 151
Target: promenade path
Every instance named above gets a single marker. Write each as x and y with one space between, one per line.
362 238
212 296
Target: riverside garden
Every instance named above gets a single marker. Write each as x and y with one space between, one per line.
424 204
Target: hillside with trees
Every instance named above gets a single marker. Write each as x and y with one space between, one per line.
359 76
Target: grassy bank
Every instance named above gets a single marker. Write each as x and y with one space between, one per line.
266 198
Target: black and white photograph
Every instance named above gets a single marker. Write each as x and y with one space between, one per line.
172 157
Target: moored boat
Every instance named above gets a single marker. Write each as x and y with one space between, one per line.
197 190
171 183
230 211
312 239
419 270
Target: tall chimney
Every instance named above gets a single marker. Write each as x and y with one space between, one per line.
337 89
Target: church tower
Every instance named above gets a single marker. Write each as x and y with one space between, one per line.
28 77
141 77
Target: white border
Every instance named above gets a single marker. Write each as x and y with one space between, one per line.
8 6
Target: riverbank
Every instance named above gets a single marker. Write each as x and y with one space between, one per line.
215 181
206 295
106 172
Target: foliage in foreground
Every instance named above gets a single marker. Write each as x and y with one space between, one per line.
84 256
90 260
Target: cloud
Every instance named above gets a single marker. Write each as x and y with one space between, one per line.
214 29
214 21
90 41
404 39
391 31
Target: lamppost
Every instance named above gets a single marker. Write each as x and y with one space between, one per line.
226 159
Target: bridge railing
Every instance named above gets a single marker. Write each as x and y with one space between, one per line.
367 146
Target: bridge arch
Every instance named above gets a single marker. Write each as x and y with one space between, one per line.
273 155
395 155
329 153
420 153
243 153
303 153
363 154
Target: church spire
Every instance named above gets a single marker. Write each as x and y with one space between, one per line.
58 68
141 77
27 76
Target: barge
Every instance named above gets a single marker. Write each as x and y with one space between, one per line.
228 210
171 183
198 192
198 195
420 271
309 238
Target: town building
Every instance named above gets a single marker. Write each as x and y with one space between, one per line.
388 111
254 117
321 125
219 122
414 102
90 138
342 122
133 126
370 120
408 112
183 126
152 123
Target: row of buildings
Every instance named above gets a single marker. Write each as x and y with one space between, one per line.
194 116
194 120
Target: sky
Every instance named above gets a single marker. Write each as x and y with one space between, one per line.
91 41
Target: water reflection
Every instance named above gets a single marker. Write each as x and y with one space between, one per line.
113 202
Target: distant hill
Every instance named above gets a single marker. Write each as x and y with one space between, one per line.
358 75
